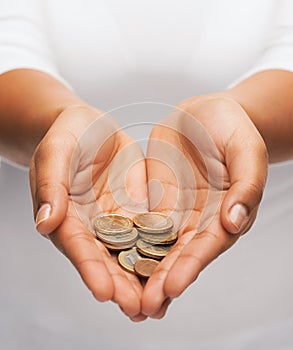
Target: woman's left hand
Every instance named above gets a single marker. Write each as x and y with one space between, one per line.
207 168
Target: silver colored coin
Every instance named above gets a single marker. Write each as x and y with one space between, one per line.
118 238
112 223
151 250
128 258
164 238
153 222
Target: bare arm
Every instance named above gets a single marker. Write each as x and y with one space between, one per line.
30 101
41 124
267 97
240 167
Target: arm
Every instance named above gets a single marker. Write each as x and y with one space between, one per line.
30 102
42 123
240 167
267 97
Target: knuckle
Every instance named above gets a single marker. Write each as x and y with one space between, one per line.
255 191
45 187
197 259
160 273
42 151
50 145
54 145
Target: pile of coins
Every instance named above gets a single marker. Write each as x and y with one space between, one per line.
142 242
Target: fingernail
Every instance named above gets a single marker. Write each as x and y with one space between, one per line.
238 216
43 214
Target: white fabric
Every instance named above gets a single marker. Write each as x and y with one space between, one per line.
23 41
116 53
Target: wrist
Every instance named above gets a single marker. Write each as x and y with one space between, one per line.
267 98
30 103
254 113
220 112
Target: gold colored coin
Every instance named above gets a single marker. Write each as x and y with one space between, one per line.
153 222
164 238
118 238
145 267
128 258
152 251
113 223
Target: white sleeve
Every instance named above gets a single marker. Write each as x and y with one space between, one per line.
23 39
278 52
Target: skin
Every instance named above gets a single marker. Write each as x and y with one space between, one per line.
84 174
205 229
41 122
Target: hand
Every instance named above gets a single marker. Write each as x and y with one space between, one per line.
206 167
84 166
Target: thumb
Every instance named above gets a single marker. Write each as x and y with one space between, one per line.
49 177
247 167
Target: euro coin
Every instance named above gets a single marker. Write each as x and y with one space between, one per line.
152 251
118 238
145 267
153 222
165 238
119 247
128 258
113 223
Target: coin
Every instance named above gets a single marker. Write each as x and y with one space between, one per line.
145 267
119 247
152 251
128 258
153 222
165 238
113 223
118 238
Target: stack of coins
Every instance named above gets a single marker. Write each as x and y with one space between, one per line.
155 234
115 231
150 240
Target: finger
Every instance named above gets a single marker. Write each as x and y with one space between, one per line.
125 294
247 167
87 255
52 164
89 262
138 318
171 177
162 311
196 255
127 183
154 294
104 278
50 183
164 168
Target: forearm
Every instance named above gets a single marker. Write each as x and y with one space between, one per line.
267 97
30 101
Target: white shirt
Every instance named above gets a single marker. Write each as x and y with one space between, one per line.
115 53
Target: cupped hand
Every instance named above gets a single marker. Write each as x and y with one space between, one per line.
85 166
207 168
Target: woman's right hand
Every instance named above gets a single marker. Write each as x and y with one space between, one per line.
85 166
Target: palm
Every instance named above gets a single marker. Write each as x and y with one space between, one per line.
188 155
101 155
